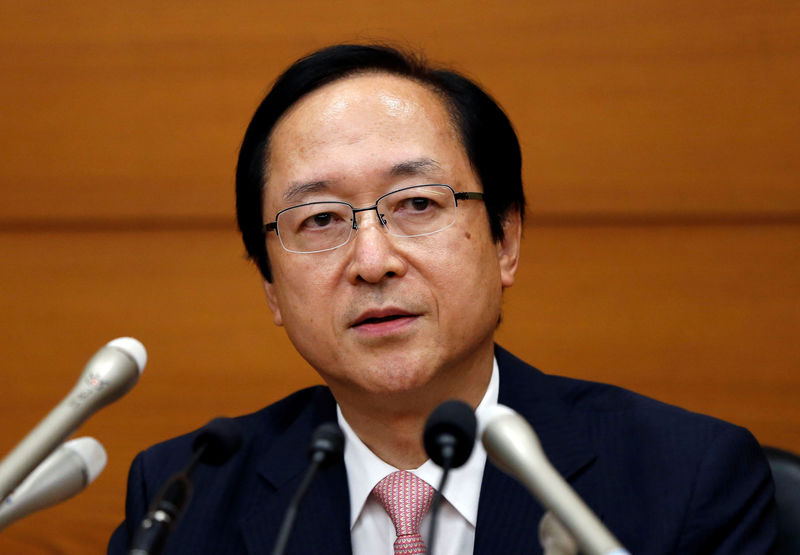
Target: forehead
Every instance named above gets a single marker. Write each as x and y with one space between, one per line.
366 99
361 124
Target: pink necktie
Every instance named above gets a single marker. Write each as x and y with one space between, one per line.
406 498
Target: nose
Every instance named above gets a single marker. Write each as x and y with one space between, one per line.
369 209
374 256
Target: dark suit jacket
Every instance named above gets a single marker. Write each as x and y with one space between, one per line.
664 480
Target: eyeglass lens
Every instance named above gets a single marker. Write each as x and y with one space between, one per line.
409 212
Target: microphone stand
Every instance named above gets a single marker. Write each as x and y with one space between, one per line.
291 511
448 438
327 445
165 510
214 445
447 460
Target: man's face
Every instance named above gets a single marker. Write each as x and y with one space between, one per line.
384 314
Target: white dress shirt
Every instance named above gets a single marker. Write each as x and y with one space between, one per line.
371 529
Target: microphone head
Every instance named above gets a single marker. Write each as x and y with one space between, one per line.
220 439
133 348
450 427
92 454
328 440
511 442
492 414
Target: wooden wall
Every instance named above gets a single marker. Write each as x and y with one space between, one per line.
661 163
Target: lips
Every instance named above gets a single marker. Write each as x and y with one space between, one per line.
377 317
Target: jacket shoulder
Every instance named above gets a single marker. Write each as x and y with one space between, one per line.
601 402
261 427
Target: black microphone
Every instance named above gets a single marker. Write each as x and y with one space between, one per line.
217 442
214 445
327 446
448 438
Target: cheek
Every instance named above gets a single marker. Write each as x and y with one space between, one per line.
304 281
460 267
480 264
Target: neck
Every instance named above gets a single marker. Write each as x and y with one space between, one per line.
392 425
395 439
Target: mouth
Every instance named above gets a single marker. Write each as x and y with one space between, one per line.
384 318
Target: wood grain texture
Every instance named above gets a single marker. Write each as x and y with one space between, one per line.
661 164
137 111
702 317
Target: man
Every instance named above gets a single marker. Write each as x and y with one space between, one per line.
382 202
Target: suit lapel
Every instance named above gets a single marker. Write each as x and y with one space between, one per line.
508 516
323 519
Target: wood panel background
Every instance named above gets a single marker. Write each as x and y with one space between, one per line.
661 163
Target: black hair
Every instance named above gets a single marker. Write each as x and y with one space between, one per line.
486 133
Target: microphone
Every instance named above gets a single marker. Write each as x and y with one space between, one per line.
327 446
108 375
65 473
449 437
216 442
514 447
450 434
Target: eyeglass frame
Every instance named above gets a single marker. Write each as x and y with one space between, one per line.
461 195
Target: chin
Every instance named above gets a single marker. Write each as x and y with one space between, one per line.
394 380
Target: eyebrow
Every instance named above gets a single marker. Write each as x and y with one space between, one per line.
415 167
299 190
420 166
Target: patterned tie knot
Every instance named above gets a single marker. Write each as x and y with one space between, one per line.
406 499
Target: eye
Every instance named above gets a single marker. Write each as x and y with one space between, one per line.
419 203
320 220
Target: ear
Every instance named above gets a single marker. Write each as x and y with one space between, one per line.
508 248
272 301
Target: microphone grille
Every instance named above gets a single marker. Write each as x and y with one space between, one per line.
329 439
221 437
490 414
92 454
454 419
133 348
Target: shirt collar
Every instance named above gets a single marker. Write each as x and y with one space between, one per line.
462 491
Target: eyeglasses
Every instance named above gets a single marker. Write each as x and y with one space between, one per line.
408 212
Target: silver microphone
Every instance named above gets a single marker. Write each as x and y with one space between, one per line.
108 375
65 473
514 448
